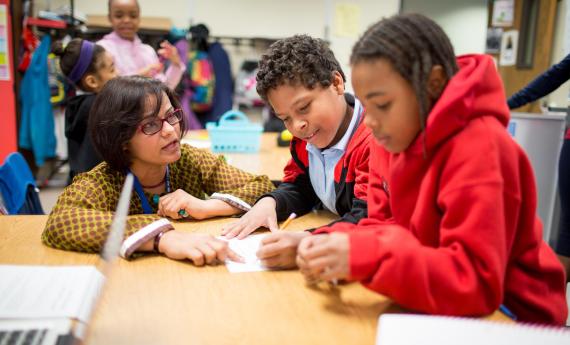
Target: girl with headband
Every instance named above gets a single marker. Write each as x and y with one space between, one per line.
88 67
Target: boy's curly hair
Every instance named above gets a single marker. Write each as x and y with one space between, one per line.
299 59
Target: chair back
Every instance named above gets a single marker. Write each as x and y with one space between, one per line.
18 187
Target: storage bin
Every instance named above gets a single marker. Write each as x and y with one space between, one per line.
234 133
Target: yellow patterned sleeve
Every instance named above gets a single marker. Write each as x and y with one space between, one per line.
216 176
84 211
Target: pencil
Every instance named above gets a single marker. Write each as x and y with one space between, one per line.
507 312
334 281
289 219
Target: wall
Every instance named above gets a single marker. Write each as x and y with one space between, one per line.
560 49
255 18
371 12
464 21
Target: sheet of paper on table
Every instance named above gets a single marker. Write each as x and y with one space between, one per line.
245 248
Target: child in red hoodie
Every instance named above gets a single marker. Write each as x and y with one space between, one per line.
464 238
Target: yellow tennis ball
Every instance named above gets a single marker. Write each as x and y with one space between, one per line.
286 135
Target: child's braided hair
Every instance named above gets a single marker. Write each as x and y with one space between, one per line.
413 44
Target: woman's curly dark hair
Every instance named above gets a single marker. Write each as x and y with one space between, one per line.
299 59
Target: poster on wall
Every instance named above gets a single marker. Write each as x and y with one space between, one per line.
493 43
347 20
509 44
4 53
503 13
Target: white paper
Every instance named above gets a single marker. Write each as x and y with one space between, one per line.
48 291
245 248
509 44
394 329
503 13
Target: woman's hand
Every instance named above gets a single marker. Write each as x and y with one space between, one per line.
169 52
324 257
201 249
180 204
172 204
261 214
279 249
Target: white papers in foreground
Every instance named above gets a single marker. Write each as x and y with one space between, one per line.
245 248
399 329
48 291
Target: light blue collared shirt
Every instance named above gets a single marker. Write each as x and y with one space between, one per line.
322 163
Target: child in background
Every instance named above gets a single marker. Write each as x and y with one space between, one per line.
303 82
130 54
464 238
88 66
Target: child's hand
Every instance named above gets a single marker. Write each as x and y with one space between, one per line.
169 52
324 257
151 70
279 249
201 249
261 214
180 204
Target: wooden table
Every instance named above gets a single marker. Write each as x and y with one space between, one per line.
154 300
270 160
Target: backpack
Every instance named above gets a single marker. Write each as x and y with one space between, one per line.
200 80
56 80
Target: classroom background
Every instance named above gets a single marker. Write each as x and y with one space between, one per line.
525 37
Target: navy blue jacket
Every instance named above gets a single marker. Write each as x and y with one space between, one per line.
543 84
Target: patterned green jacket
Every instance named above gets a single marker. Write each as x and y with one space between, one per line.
83 213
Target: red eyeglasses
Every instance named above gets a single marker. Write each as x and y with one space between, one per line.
154 126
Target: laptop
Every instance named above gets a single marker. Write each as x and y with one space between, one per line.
35 320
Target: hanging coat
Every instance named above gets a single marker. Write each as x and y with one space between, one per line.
224 91
37 124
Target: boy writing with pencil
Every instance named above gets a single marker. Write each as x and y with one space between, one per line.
304 84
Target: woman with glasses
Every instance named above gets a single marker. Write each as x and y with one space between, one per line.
136 125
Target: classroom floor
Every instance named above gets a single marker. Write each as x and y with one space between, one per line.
49 194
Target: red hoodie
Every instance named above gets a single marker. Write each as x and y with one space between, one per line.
465 236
